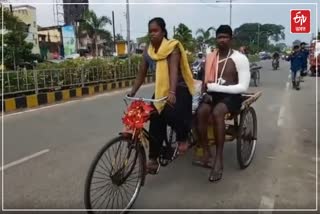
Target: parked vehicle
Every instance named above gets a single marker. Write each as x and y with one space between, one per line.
314 57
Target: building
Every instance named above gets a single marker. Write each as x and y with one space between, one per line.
74 12
50 42
28 15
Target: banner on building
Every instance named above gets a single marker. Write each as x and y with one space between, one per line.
69 40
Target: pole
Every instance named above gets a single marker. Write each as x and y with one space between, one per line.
14 46
258 38
128 36
114 33
230 13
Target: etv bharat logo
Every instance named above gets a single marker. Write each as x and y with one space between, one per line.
300 21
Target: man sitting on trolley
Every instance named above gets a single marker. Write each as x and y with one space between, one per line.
227 76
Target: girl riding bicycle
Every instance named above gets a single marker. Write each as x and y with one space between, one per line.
173 80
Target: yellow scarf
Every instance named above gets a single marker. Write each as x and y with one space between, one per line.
162 69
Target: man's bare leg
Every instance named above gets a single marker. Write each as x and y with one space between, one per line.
219 112
203 114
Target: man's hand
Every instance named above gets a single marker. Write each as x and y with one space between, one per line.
212 86
206 98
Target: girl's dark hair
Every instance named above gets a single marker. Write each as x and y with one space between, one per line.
162 25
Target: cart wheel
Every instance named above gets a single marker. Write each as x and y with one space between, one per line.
247 137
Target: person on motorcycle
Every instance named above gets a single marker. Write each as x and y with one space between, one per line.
296 64
275 59
173 80
198 66
227 76
305 54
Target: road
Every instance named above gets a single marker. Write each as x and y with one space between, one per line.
47 153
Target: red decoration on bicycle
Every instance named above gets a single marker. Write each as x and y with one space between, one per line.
137 114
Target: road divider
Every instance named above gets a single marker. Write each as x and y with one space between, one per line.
36 100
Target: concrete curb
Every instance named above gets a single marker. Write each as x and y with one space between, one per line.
36 100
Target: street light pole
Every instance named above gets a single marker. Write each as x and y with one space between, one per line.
230 11
128 36
258 38
230 15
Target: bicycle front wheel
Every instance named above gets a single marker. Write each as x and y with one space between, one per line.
115 176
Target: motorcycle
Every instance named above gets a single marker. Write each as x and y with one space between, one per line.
275 64
197 70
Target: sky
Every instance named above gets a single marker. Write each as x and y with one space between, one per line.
194 13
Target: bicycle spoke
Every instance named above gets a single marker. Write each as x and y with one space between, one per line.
111 198
97 182
121 196
105 164
99 187
126 192
99 178
101 194
118 193
101 173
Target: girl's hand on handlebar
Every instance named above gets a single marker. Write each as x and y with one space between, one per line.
171 100
131 94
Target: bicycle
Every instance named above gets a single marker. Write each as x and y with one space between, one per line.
131 146
135 143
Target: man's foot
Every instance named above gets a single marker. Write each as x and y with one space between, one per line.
205 161
215 175
153 166
216 171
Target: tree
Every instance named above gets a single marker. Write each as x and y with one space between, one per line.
281 47
257 36
184 35
205 37
16 49
94 27
318 35
119 37
144 39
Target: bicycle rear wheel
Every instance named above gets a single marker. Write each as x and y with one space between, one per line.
115 176
247 137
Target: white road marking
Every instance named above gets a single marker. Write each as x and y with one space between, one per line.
14 163
312 175
287 86
281 118
106 94
266 203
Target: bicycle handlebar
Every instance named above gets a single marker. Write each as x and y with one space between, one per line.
146 99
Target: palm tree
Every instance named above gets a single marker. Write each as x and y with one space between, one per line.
184 35
205 37
94 27
119 37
